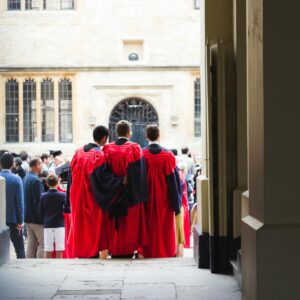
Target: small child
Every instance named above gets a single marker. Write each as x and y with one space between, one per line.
52 210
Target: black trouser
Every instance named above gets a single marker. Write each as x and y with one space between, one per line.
16 237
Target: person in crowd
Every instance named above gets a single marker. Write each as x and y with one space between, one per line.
184 158
52 207
164 197
43 178
18 168
14 204
33 189
198 173
46 160
57 161
128 221
91 185
186 219
25 158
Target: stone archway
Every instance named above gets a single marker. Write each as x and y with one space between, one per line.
139 113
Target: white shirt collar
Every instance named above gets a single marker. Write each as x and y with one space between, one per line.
153 143
123 137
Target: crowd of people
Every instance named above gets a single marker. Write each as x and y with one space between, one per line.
113 199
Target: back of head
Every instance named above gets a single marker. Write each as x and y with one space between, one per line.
18 162
99 133
185 150
24 155
7 161
123 128
52 181
152 132
44 156
34 162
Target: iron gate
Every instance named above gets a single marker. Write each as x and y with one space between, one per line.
139 113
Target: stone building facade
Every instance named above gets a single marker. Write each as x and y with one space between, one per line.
67 65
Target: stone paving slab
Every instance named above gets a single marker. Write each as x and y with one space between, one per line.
172 278
149 291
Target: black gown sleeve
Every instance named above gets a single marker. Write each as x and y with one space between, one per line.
175 190
137 182
67 208
105 185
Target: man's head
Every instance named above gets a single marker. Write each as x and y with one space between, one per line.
152 132
52 181
7 161
185 150
123 129
24 155
45 158
36 165
18 162
100 135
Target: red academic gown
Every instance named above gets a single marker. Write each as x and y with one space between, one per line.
186 217
127 215
164 199
90 182
67 222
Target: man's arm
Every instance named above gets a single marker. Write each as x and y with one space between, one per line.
36 191
19 201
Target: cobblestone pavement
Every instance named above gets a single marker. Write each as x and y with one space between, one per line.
175 278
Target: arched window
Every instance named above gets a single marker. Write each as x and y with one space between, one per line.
13 4
29 111
65 111
47 107
12 111
197 108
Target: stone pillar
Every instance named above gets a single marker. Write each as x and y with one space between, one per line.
4 231
271 231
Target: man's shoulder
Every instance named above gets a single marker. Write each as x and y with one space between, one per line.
11 177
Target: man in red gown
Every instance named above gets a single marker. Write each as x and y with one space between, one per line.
127 223
90 186
164 197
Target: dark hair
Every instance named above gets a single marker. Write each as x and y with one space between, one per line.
123 127
44 156
44 174
152 132
3 152
185 150
7 161
18 162
34 162
52 180
174 151
99 133
24 155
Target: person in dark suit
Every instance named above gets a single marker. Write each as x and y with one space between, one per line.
19 169
53 205
33 189
14 204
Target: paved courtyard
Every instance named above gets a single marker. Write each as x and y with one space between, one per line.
175 278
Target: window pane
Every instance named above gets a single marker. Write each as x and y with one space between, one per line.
13 4
31 4
29 111
47 98
12 111
58 4
197 108
65 111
